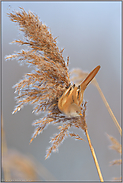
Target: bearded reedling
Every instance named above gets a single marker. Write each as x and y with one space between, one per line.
69 103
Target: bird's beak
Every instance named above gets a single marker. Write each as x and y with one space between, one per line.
80 114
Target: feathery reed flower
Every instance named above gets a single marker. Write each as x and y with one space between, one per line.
47 82
115 145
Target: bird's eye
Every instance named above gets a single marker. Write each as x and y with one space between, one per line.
78 112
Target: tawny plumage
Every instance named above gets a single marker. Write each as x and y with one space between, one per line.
69 103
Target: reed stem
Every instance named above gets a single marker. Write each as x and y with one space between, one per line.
94 156
108 108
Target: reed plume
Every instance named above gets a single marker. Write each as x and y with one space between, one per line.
115 145
47 82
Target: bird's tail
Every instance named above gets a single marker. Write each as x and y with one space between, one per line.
89 78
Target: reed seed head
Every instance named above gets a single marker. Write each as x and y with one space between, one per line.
46 83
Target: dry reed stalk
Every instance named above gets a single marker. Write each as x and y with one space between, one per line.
94 156
108 108
50 78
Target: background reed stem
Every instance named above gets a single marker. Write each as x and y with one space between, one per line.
108 108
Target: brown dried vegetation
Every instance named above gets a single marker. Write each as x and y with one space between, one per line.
115 145
21 167
47 82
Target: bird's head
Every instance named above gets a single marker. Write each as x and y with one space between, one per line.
74 110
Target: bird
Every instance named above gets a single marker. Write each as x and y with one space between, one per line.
70 101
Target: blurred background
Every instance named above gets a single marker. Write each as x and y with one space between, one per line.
90 32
